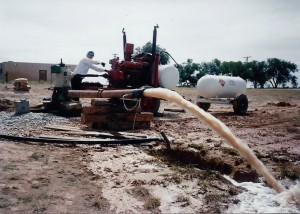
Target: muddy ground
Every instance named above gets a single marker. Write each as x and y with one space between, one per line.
47 178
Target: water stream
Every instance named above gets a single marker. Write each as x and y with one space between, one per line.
221 129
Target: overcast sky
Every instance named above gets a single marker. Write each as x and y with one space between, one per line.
47 30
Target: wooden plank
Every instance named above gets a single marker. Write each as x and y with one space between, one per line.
118 105
87 118
113 132
69 129
144 116
122 125
62 128
100 102
71 105
95 109
107 109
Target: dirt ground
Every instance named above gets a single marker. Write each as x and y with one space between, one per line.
47 178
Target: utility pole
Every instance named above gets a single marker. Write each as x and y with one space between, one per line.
247 66
247 57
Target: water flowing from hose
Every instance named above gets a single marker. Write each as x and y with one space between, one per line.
220 128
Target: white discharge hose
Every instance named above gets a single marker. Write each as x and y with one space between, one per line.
220 128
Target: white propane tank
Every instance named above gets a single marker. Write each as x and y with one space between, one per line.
212 86
168 76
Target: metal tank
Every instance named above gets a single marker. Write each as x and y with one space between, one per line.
168 76
222 90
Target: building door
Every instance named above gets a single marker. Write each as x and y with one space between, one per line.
42 75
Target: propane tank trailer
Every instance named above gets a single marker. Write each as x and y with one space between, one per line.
222 90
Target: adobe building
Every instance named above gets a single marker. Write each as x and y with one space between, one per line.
32 71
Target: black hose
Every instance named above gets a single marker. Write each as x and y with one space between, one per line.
80 141
171 57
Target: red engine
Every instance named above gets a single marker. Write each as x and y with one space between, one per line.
137 71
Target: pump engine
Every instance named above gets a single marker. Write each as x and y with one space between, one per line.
134 71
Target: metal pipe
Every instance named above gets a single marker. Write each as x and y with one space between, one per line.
154 43
128 93
124 40
151 76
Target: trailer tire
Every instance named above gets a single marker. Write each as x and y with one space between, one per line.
204 106
240 105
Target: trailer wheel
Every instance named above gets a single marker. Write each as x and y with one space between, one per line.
150 104
204 106
240 104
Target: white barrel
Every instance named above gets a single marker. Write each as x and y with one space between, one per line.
168 76
212 86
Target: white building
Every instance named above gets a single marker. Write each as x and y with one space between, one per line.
32 71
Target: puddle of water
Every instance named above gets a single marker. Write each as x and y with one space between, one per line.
258 198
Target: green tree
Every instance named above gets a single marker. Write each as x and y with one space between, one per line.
147 48
279 72
234 69
188 73
257 73
212 67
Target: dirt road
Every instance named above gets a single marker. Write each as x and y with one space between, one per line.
186 179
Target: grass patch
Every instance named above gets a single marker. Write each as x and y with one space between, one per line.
140 192
201 148
39 206
229 151
100 203
293 129
152 203
9 167
290 172
14 177
184 200
36 156
183 157
175 178
5 101
212 198
4 202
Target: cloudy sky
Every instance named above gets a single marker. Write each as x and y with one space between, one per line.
47 30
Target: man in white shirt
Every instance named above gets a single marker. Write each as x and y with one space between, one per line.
82 69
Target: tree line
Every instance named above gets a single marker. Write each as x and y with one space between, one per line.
273 72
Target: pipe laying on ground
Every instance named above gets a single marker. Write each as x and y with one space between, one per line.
81 141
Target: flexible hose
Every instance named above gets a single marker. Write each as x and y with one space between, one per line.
80 141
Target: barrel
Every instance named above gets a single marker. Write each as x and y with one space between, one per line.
213 86
22 106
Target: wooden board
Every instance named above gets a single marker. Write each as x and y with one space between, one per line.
77 131
71 105
107 109
95 109
100 102
62 128
87 118
143 116
122 125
